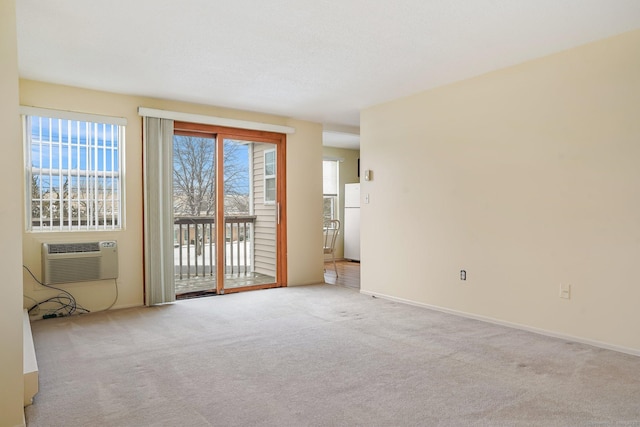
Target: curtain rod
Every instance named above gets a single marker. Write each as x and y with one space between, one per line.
213 120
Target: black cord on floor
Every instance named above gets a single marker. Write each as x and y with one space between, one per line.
66 302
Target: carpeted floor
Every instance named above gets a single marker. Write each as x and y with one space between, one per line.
319 356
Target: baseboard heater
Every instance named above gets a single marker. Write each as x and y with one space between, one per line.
79 262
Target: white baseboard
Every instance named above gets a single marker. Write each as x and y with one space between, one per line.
599 344
120 307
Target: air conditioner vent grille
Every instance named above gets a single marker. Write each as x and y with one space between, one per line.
65 248
79 262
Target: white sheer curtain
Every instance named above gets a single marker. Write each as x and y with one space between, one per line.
158 211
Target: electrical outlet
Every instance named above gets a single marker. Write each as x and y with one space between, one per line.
565 290
463 274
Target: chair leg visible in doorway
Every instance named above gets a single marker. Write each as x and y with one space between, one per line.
335 267
331 230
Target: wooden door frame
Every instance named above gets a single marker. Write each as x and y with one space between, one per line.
219 133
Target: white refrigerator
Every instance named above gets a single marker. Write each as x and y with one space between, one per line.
352 222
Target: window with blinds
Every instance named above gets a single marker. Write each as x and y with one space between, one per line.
74 174
330 189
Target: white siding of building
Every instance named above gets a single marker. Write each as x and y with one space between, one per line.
265 226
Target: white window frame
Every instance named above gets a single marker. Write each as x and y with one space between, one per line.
270 177
102 174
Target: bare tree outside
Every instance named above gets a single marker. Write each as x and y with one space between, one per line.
53 203
194 181
236 178
194 177
36 207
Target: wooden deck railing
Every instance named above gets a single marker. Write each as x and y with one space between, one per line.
194 247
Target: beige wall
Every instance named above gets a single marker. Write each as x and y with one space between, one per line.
527 178
304 150
347 174
304 212
11 379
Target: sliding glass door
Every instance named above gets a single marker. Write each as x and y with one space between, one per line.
194 206
229 225
250 209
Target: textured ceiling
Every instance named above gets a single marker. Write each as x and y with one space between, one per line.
319 60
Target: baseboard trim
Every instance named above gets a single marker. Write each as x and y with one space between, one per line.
594 343
120 307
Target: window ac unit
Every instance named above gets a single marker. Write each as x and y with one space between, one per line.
79 262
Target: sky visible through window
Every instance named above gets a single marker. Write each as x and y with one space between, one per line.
69 144
237 163
75 174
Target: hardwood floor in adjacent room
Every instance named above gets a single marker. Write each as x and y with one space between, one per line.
348 274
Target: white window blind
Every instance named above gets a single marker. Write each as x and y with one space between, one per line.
74 173
330 189
330 177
